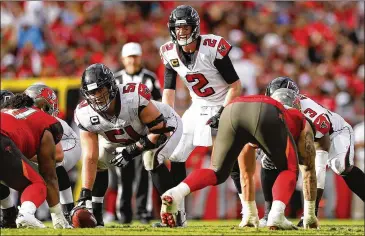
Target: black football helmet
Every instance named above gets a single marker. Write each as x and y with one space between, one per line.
287 97
98 86
44 98
5 95
184 15
281 82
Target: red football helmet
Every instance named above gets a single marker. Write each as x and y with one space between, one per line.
44 98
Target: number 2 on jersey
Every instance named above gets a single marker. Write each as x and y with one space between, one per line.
199 87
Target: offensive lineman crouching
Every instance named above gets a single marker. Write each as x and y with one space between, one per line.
118 123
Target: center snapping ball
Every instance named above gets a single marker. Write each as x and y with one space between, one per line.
82 218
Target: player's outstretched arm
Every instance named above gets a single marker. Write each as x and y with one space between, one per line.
168 97
89 155
234 91
307 152
47 167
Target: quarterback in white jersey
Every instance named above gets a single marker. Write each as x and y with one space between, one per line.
203 64
118 123
334 143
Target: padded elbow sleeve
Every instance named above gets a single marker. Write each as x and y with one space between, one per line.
321 162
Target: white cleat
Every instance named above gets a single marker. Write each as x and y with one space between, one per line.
310 222
169 212
249 221
278 221
263 223
27 220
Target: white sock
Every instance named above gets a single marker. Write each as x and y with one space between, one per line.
7 202
182 189
29 207
98 199
66 196
278 207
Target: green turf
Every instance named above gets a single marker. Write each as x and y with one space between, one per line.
221 227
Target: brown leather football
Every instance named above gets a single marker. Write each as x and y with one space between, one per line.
82 218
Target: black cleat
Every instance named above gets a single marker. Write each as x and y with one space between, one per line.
98 213
8 217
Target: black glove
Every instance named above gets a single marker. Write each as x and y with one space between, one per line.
123 155
213 121
85 200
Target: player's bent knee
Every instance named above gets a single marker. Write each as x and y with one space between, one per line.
149 160
337 166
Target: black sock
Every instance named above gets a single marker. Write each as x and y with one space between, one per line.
162 179
101 184
235 175
178 171
318 199
355 180
268 178
63 179
4 192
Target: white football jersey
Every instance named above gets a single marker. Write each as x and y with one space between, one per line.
69 138
127 127
203 80
324 120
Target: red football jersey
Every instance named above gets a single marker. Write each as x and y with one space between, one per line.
294 119
26 126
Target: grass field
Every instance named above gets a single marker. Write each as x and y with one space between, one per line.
221 227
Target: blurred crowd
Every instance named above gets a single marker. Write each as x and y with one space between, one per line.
318 44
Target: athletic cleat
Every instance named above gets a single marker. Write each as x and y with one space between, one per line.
8 217
249 221
278 221
263 222
180 221
168 209
300 223
27 220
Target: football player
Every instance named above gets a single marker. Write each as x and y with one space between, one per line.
334 139
69 147
117 124
252 120
26 132
204 65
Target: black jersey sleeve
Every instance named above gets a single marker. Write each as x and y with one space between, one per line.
226 69
169 77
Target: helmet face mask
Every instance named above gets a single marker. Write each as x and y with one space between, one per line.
98 87
44 98
281 82
184 15
287 97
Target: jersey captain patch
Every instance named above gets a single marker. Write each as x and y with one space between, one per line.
175 62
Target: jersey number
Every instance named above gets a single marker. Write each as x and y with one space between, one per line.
321 122
21 113
199 87
116 134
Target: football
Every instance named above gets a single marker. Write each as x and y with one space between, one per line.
82 218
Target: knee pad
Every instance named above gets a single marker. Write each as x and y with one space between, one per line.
320 163
149 161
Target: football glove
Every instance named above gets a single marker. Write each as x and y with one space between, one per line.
213 121
123 155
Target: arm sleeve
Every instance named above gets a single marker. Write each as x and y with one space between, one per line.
226 69
170 77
